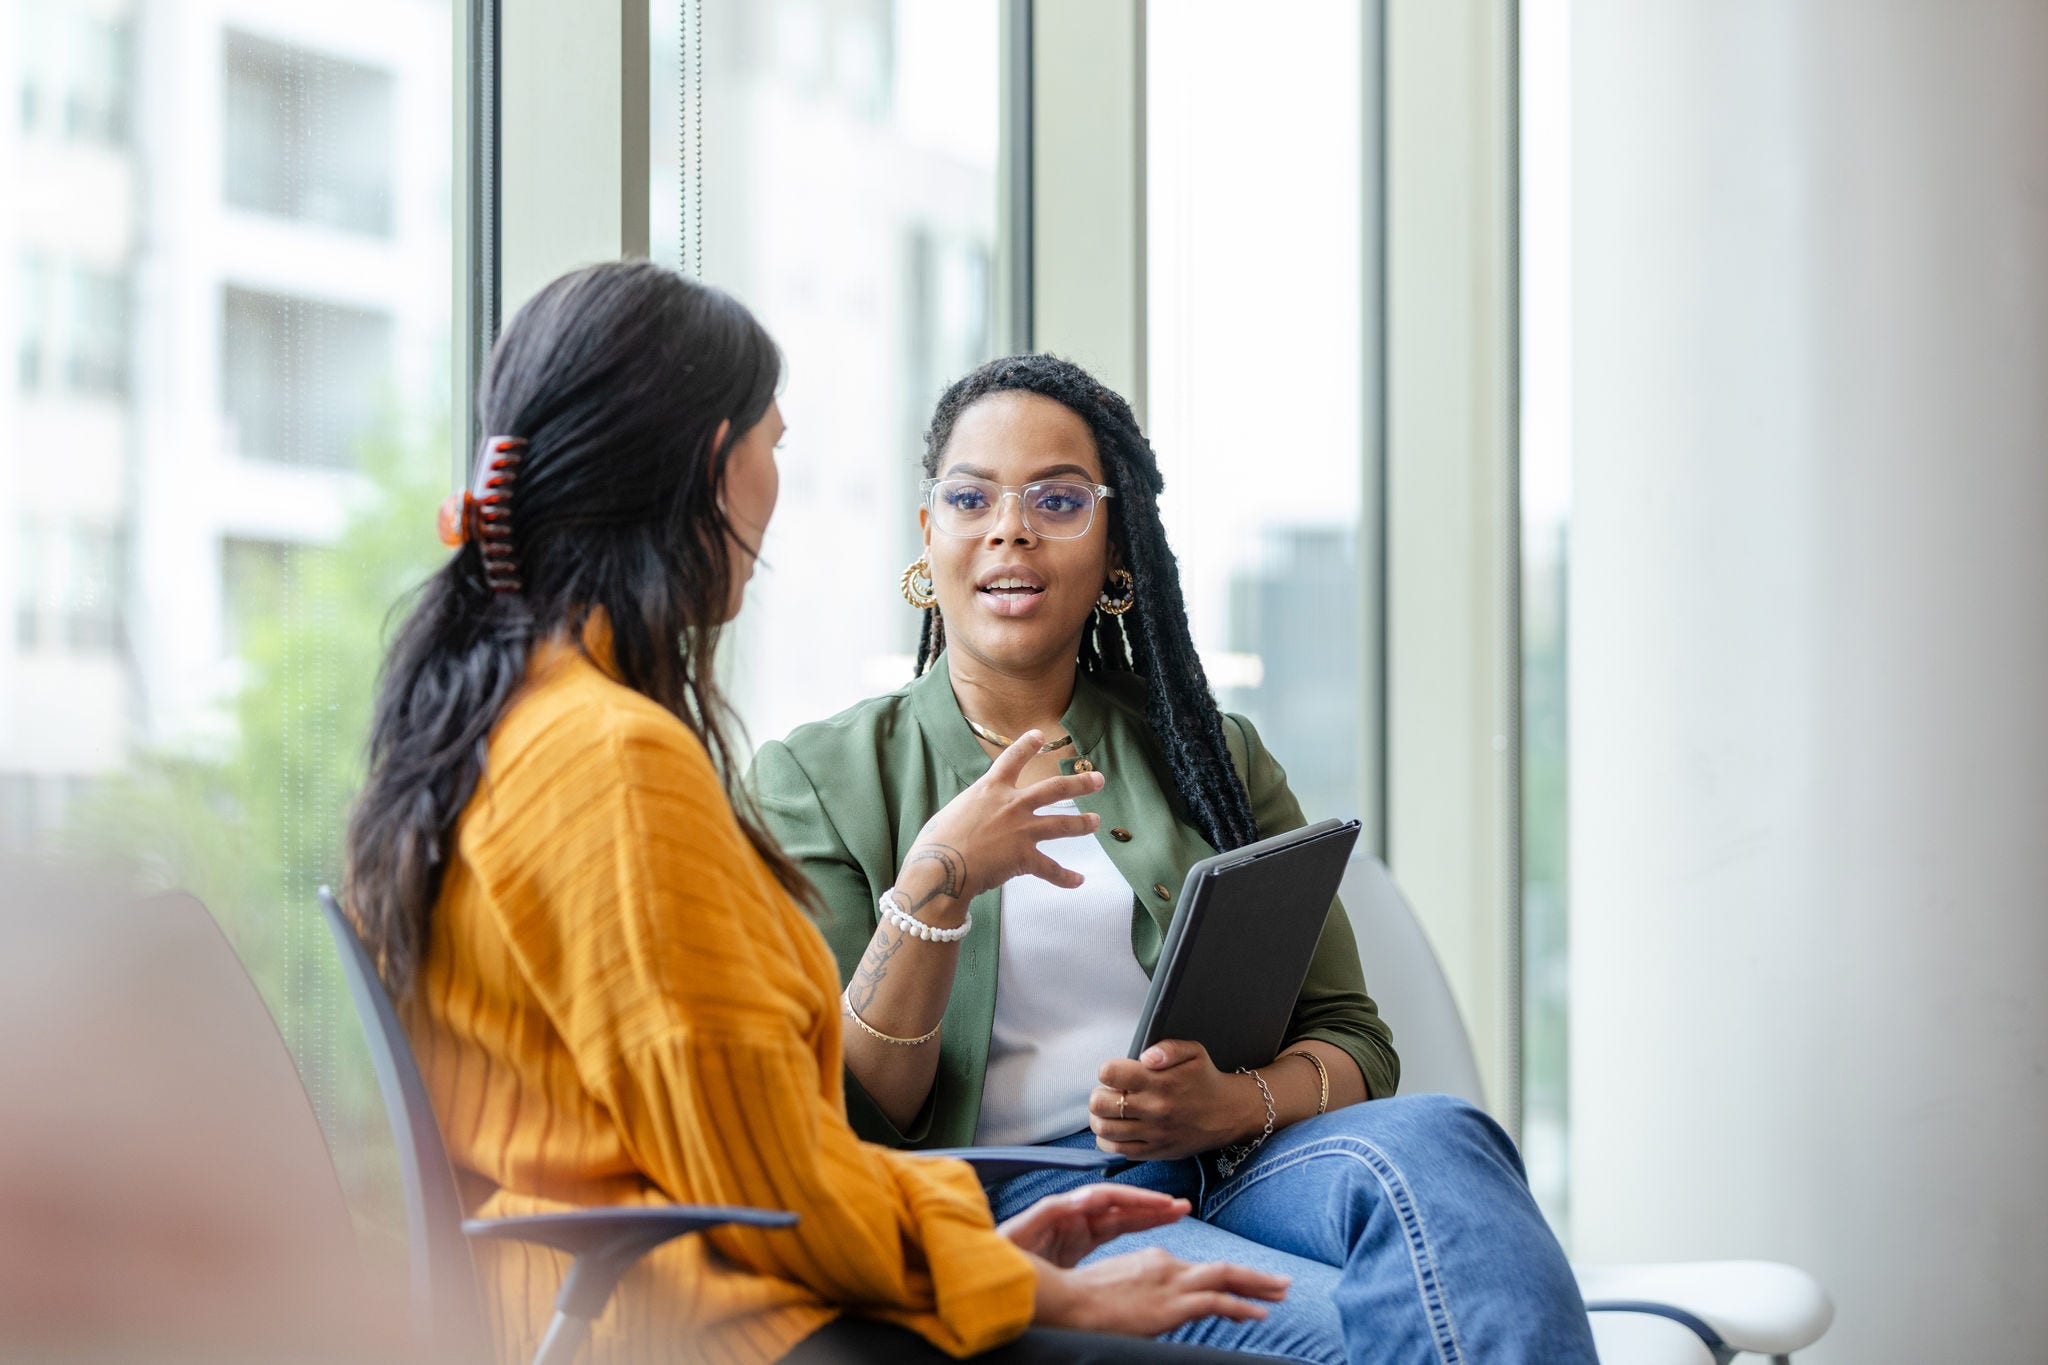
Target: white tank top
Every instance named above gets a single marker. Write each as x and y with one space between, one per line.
1068 993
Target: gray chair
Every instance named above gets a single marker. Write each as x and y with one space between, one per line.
1691 1313
447 1313
605 1242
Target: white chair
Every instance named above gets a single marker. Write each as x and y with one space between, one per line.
1687 1313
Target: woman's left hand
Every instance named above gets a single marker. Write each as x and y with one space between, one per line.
1171 1102
1062 1228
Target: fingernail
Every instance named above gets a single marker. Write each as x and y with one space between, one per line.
1153 1056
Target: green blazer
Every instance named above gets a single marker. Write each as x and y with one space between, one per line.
847 796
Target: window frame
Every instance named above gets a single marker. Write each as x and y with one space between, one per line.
558 113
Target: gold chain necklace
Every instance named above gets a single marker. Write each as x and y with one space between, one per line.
1004 741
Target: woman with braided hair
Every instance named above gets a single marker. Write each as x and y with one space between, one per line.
991 989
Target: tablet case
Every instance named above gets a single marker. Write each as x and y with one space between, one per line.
1240 944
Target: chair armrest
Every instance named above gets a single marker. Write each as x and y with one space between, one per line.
993 1165
1758 1306
607 1241
1627 1338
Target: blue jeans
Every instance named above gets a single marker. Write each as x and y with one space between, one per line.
1405 1223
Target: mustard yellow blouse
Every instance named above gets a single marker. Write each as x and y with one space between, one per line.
620 1005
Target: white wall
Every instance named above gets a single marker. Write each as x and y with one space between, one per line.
1810 654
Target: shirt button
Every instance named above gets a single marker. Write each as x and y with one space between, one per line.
1159 890
1082 765
1122 836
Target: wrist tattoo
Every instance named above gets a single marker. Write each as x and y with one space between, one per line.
952 869
874 965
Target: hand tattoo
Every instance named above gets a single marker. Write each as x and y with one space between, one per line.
953 868
874 965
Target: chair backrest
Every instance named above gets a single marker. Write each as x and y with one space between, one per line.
446 1311
1407 983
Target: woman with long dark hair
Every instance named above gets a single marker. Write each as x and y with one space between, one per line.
988 1007
605 964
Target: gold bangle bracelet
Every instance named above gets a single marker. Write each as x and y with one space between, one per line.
1322 1076
871 1031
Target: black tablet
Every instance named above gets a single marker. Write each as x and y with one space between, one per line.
1241 941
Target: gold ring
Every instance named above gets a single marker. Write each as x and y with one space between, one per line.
1121 1097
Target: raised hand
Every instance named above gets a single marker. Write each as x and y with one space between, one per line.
985 836
990 833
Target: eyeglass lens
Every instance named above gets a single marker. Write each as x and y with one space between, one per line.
1057 510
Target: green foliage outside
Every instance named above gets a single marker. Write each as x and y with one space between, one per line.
255 828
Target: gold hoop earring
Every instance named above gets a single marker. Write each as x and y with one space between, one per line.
918 588
1117 606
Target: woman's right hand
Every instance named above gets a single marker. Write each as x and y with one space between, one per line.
990 833
1145 1293
1064 1228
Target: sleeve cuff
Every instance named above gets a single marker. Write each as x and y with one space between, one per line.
868 1120
1376 1063
984 1287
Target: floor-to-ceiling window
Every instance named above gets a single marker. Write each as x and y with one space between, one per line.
1545 503
834 164
224 434
1256 278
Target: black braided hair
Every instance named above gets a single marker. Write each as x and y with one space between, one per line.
1153 639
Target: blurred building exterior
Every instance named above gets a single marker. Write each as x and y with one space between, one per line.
842 183
226 268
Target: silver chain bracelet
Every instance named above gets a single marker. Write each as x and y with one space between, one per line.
1228 1159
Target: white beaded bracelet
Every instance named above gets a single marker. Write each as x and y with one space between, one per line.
891 906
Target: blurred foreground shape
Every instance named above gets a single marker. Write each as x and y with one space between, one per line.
165 1191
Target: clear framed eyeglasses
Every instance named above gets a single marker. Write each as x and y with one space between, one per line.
1053 509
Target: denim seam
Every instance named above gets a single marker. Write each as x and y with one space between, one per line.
1428 1278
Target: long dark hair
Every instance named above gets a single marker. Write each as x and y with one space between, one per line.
616 377
1153 639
